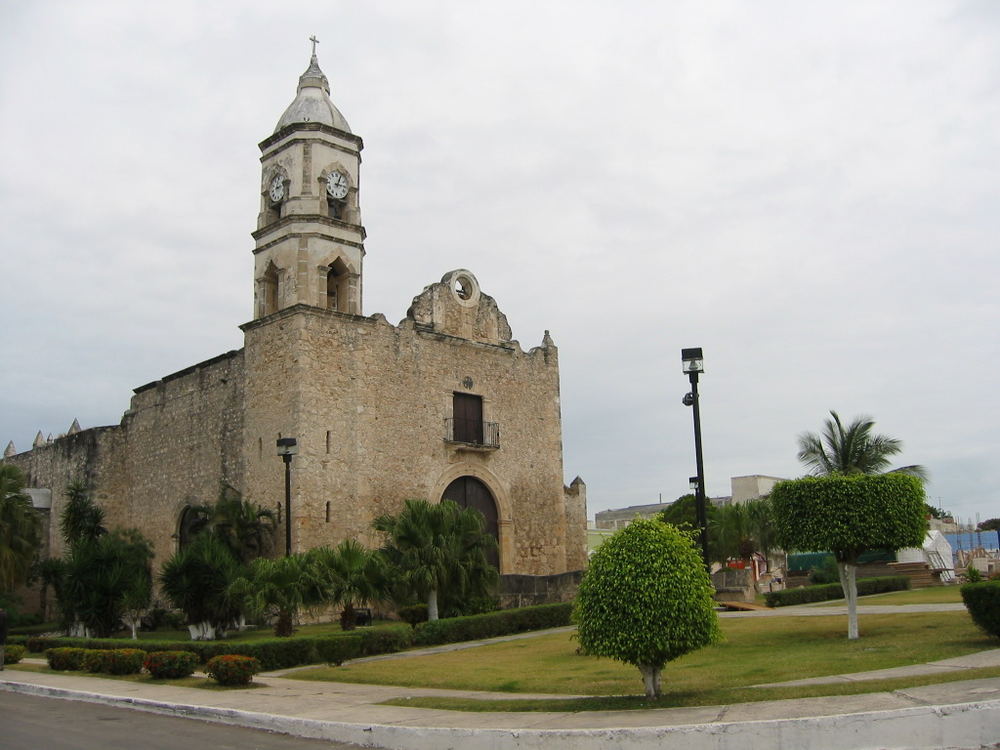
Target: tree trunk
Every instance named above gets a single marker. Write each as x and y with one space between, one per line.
283 627
202 631
651 679
848 582
432 605
348 617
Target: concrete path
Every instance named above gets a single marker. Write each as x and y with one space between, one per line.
963 714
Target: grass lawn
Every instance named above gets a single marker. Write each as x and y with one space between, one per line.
755 650
931 595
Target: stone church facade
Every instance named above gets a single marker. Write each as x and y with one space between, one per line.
444 405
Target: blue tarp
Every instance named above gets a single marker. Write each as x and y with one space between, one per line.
971 539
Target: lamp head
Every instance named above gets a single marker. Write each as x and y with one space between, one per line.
287 446
692 360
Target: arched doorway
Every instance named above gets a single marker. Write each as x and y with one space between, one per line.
469 492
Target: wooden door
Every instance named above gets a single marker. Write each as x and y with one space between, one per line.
468 413
469 492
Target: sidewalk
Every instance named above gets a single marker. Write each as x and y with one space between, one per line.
963 714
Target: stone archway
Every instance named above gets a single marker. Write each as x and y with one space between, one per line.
470 492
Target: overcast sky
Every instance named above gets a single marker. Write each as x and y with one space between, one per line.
809 191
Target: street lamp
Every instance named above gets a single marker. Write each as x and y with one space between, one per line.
286 449
693 363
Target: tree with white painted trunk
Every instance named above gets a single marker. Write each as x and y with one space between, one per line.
848 515
646 599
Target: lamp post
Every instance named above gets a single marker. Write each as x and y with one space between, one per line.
693 364
286 449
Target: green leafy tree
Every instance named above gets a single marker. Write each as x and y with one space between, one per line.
277 588
82 519
105 576
436 548
20 529
854 449
349 574
849 515
990 524
196 580
734 531
246 529
646 599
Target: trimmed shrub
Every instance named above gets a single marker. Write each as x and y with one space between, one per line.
124 661
66 658
413 615
232 669
492 624
13 653
93 660
170 665
386 640
828 591
338 649
983 602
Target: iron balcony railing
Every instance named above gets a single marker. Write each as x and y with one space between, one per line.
472 432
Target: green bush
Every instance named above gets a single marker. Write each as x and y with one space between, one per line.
492 624
413 615
825 572
828 591
170 665
124 661
982 599
13 653
338 649
65 658
93 660
386 640
232 669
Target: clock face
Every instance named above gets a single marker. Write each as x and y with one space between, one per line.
336 185
277 189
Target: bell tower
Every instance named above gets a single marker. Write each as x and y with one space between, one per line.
309 239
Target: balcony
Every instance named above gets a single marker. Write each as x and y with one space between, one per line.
471 435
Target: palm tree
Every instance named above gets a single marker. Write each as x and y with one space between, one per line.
437 548
851 450
82 519
20 528
347 575
246 529
277 588
196 580
104 577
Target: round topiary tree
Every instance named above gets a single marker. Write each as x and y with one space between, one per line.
848 515
646 600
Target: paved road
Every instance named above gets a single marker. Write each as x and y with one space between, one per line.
33 723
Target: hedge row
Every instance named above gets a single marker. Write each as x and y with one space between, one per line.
282 653
491 624
111 661
983 602
828 591
276 653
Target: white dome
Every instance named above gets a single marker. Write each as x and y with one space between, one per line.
312 102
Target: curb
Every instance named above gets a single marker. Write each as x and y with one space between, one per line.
966 725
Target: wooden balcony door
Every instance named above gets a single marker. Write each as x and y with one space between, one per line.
468 413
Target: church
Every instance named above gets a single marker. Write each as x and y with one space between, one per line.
444 405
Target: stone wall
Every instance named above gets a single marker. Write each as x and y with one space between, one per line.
527 591
368 401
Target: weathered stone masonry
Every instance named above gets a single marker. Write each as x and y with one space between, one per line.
374 407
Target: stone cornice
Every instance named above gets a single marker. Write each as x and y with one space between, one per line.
314 127
288 221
